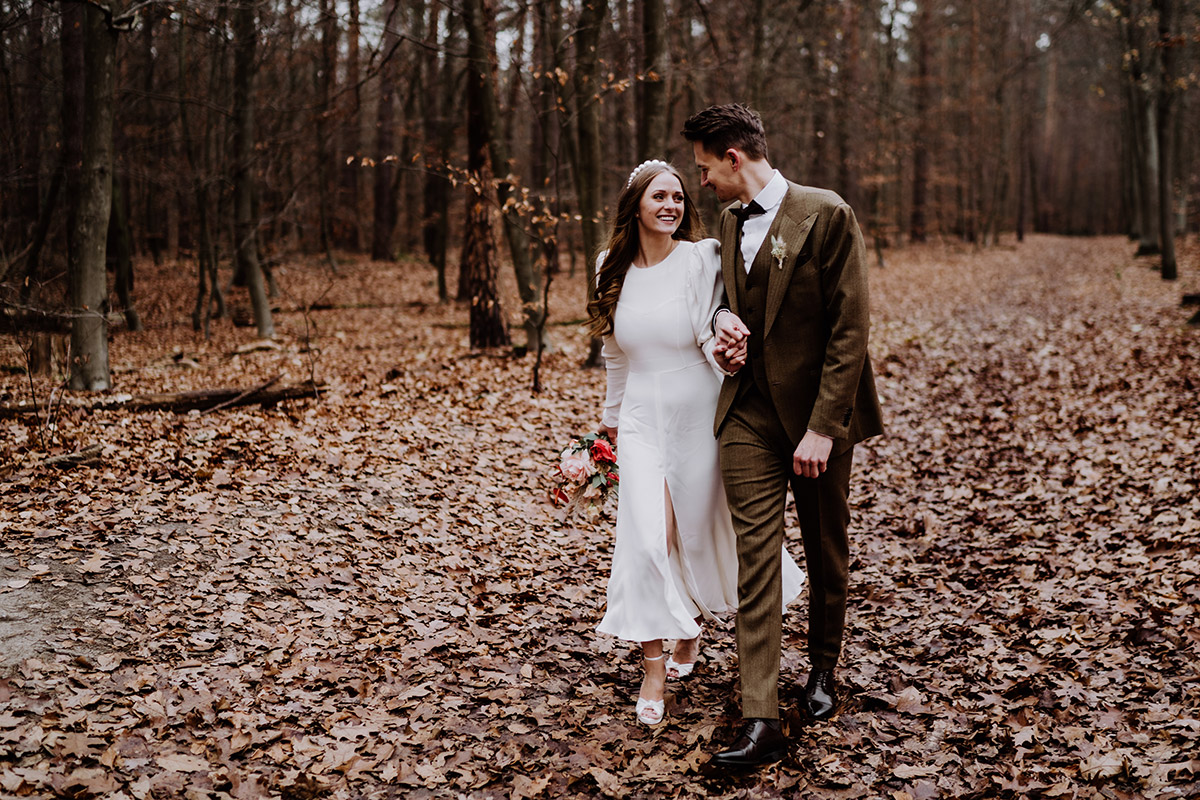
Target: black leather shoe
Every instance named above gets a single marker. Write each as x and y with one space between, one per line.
760 742
820 696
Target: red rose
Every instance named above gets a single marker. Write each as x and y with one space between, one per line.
602 452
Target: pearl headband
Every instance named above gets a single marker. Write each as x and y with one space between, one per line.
654 162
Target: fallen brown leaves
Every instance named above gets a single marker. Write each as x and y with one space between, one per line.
368 596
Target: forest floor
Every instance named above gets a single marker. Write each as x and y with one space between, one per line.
368 595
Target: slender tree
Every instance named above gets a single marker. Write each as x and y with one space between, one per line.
918 226
652 111
350 193
479 261
439 99
1168 103
325 114
481 51
588 150
385 142
245 225
92 203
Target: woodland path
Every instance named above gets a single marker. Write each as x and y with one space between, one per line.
368 596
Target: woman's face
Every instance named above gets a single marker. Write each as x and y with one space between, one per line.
661 208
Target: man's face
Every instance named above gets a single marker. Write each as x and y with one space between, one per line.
718 173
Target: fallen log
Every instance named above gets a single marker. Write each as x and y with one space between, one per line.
205 400
88 455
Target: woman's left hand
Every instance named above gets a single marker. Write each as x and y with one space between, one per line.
611 433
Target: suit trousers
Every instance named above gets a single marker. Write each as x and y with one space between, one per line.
756 464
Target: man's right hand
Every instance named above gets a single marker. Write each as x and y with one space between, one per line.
732 338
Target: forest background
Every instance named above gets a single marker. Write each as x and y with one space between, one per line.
259 549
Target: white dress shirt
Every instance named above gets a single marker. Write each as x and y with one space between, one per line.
755 229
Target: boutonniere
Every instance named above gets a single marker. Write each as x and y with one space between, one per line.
778 251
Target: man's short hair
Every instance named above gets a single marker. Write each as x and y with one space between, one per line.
718 128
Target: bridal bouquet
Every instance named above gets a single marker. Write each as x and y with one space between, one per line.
585 475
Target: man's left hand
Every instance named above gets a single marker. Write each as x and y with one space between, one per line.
812 454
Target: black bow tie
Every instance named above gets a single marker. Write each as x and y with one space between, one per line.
751 209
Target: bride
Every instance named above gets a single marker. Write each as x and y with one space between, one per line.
675 558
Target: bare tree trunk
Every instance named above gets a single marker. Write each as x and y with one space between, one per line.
326 85
88 277
546 132
439 99
153 208
1148 160
245 224
478 259
652 114
35 118
385 143
351 167
210 299
588 155
1024 157
1144 115
917 227
758 17
121 244
1168 101
33 257
529 283
848 119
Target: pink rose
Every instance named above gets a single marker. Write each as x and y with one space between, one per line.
602 452
576 467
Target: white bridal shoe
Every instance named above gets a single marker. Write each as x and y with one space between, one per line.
680 670
676 669
650 712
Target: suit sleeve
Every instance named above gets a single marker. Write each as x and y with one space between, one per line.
843 265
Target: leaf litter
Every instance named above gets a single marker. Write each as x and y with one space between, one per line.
370 596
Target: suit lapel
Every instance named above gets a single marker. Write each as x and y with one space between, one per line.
729 260
791 226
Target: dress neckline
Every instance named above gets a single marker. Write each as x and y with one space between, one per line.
665 259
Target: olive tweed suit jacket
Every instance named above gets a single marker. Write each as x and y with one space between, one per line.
814 332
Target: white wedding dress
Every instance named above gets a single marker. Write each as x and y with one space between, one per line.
662 398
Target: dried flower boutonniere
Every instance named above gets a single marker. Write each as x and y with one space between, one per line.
778 251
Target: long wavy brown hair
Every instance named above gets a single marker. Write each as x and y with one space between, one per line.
623 245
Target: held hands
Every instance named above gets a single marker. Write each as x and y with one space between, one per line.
812 454
732 338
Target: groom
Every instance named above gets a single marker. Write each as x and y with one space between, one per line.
796 285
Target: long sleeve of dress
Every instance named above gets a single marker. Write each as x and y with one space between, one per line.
616 369
705 292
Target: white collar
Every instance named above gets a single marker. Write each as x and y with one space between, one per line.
773 193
